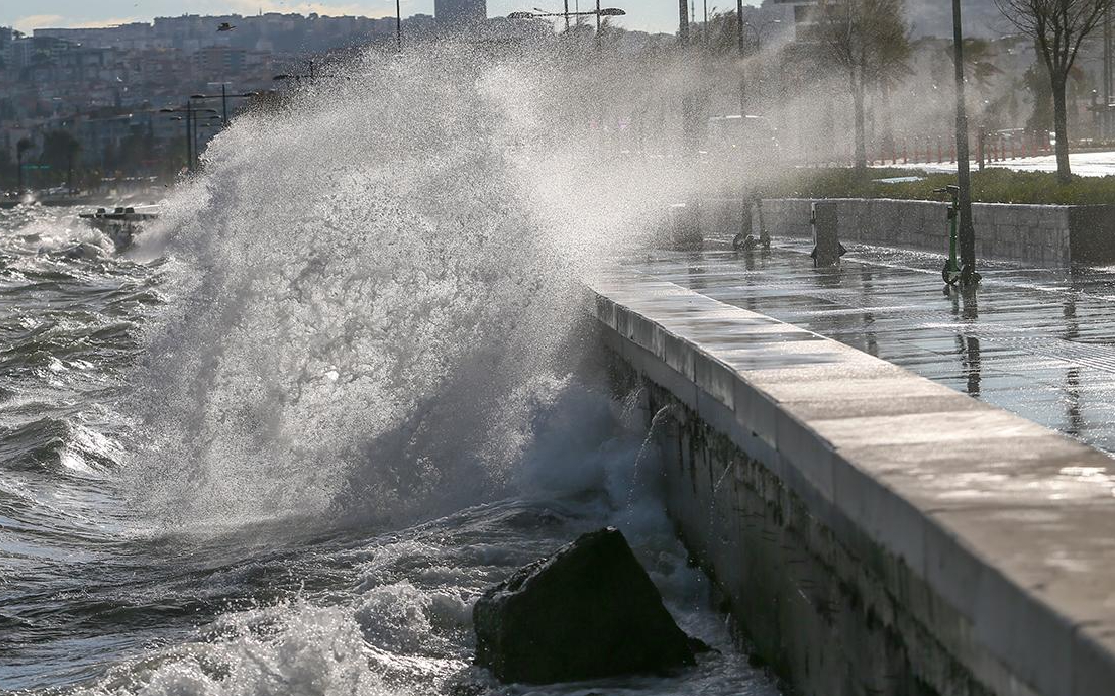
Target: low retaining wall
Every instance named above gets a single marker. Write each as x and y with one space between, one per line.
1044 235
872 532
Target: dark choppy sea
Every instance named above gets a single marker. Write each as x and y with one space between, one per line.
101 592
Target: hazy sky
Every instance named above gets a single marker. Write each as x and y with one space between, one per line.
652 15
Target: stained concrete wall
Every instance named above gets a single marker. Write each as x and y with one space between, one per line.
872 532
1044 235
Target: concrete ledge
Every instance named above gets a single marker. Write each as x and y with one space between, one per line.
873 531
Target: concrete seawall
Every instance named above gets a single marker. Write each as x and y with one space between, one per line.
873 533
1045 235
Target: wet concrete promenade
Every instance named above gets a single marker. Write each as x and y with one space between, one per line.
1040 344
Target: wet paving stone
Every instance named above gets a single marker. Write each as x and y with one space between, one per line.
1038 343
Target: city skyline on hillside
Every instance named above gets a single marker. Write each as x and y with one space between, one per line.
652 15
926 16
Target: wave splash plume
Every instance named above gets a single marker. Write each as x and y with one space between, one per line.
373 284
342 386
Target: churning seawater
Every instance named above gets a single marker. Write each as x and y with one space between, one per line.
339 389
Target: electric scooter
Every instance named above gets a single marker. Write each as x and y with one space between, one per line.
951 272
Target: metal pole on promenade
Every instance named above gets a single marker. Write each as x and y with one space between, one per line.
704 27
742 74
1105 118
224 105
967 231
683 22
566 15
398 30
189 137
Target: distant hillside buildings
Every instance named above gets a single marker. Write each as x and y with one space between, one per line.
460 14
105 85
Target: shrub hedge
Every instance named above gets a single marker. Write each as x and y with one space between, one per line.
993 185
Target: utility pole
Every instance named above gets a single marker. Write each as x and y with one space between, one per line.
686 99
189 136
704 27
1105 117
742 51
967 231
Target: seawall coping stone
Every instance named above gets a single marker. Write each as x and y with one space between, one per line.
1004 520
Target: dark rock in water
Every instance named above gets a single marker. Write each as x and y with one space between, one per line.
587 612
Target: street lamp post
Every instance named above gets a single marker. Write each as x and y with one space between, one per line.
967 232
398 27
600 12
742 73
683 22
298 78
20 148
758 30
1108 70
190 118
224 97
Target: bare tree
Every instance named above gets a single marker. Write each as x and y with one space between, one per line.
1057 27
866 38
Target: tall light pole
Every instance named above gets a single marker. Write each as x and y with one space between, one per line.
601 12
758 30
190 118
967 232
299 78
1105 119
224 97
398 27
742 52
683 22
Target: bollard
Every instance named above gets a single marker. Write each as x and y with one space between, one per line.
826 247
744 239
685 227
764 233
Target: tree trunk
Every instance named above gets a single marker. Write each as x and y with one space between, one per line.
857 101
1061 129
888 120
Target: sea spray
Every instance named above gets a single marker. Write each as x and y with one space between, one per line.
373 282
